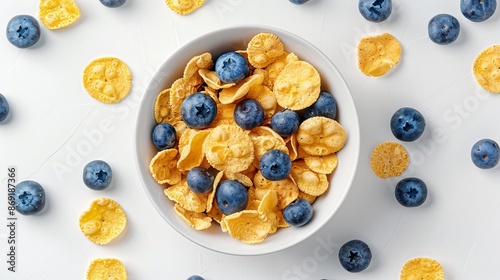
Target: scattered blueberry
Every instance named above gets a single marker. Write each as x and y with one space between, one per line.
485 153
196 277
231 197
298 2
164 136
198 110
298 213
375 10
4 108
443 29
285 122
113 3
275 165
411 192
355 255
248 113
324 106
231 67
478 10
23 31
97 175
29 197
200 180
407 124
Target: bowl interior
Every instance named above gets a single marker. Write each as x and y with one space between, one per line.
216 43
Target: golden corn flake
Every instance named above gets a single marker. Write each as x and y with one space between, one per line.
322 164
163 167
180 128
230 95
486 69
422 268
225 115
202 61
308 197
184 7
106 268
211 196
240 177
269 202
274 69
229 148
107 79
297 86
198 221
212 80
55 14
308 181
253 204
268 210
378 54
321 136
193 153
213 93
215 212
103 221
187 199
162 106
286 189
264 49
292 147
389 159
247 226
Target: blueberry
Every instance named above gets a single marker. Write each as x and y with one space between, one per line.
285 122
485 153
113 3
195 277
97 175
407 124
375 10
198 110
443 29
478 10
248 113
164 136
355 255
324 106
231 197
23 31
200 180
411 192
275 165
298 213
231 67
4 108
298 2
29 197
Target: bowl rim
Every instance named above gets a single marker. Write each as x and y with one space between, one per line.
353 141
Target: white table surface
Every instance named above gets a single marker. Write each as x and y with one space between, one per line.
55 128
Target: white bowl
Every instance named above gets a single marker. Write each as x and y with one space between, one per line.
237 38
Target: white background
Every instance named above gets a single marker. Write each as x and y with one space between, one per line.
55 128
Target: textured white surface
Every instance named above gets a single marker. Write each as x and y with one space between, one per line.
55 128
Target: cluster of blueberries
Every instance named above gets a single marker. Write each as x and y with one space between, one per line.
443 28
29 196
23 31
407 124
199 110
